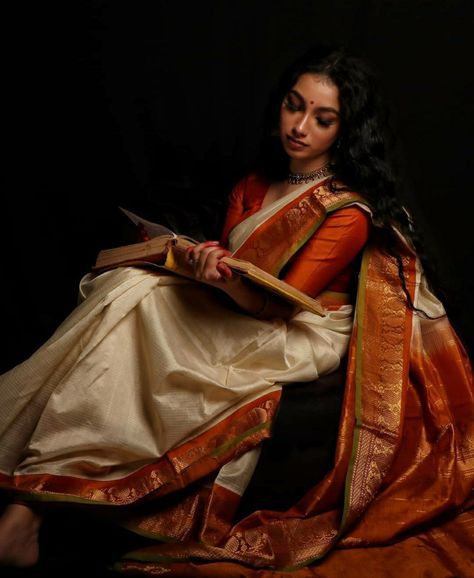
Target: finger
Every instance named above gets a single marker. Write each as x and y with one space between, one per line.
208 263
224 270
197 249
189 255
202 261
205 265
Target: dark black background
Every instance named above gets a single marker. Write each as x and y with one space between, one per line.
135 103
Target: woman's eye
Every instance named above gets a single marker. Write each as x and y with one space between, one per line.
324 122
292 105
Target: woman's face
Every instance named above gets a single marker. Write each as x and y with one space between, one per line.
310 121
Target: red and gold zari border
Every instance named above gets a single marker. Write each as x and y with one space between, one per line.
400 469
277 239
438 553
384 325
195 459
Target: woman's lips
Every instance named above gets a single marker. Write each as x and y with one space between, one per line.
295 144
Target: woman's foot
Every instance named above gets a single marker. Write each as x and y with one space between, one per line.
19 528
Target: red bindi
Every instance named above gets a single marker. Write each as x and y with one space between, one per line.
312 101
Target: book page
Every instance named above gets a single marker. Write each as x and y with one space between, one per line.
150 228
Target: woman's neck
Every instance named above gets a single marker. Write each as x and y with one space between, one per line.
307 166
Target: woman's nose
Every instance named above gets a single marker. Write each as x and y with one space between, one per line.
300 128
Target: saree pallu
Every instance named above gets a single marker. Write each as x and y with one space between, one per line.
399 498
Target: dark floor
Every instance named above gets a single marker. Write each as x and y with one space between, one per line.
76 546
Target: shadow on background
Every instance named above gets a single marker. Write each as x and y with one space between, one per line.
158 107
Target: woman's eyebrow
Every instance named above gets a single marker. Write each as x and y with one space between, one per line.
327 109
320 108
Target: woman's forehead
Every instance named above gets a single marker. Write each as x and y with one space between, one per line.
317 89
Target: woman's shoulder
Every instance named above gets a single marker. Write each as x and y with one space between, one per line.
252 180
345 206
250 187
353 215
343 195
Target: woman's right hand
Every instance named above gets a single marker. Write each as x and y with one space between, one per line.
208 267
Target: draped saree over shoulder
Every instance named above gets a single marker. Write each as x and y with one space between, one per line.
405 456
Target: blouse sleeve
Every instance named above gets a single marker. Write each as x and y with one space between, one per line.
235 209
329 251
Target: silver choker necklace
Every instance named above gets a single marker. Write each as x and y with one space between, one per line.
298 178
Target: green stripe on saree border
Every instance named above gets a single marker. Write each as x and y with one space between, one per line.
336 295
59 497
360 318
361 310
298 244
358 410
151 535
248 433
138 557
317 223
171 539
361 305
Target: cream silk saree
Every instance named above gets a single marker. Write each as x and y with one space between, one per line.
144 368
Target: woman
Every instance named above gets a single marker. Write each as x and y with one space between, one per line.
144 389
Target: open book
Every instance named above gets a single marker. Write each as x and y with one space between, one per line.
166 249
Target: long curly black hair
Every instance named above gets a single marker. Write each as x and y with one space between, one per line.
361 157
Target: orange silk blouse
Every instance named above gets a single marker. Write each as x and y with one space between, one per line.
328 260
